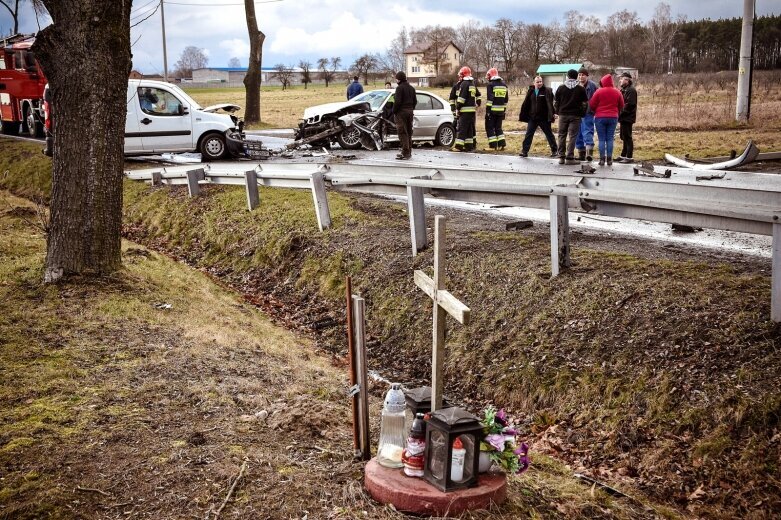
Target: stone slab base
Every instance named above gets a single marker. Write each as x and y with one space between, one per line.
415 495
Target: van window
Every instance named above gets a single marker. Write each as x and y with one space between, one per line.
2 62
158 102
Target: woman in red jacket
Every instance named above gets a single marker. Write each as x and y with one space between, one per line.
606 103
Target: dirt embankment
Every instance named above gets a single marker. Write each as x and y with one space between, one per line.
651 367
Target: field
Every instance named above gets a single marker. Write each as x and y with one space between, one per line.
686 114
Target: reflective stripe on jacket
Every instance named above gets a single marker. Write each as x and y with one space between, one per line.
497 95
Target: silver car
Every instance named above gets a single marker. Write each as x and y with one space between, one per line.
432 120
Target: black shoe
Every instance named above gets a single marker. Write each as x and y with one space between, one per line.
524 154
403 157
554 154
571 161
628 160
601 161
561 160
610 161
581 155
621 159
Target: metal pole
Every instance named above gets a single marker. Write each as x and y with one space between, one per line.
351 358
743 104
165 52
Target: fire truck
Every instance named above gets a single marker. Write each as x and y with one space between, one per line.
21 87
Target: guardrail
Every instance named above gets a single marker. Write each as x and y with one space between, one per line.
738 201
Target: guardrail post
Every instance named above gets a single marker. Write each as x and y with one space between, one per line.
193 176
321 202
775 294
251 183
359 337
559 234
157 178
416 207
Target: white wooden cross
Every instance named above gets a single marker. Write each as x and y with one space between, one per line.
443 302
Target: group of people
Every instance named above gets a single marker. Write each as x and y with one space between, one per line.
581 107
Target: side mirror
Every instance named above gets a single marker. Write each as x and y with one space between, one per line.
183 110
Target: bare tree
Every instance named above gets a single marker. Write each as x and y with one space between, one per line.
328 69
284 74
253 79
394 55
662 30
509 36
364 65
191 58
486 48
576 36
13 8
466 38
620 37
234 62
84 235
306 75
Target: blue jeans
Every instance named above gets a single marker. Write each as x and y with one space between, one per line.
586 134
606 130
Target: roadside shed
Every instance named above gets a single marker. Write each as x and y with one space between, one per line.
554 74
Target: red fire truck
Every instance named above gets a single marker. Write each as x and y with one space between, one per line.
21 87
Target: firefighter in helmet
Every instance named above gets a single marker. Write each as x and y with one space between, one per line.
495 106
466 107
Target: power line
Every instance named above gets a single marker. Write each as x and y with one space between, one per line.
222 5
150 15
141 8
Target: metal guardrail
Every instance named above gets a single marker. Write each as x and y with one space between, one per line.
739 201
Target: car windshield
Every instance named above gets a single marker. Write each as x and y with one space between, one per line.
183 95
375 98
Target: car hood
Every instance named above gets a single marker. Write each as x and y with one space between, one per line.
228 107
328 108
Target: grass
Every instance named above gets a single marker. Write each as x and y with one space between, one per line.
676 122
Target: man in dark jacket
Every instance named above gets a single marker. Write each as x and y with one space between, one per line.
627 118
354 89
570 103
585 141
404 101
537 111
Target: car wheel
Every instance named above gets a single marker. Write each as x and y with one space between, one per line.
446 135
213 146
350 138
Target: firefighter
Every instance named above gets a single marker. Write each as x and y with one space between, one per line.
452 100
466 106
497 98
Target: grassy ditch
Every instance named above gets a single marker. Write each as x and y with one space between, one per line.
656 372
143 394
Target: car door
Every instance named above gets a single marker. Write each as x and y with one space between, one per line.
426 116
165 122
132 133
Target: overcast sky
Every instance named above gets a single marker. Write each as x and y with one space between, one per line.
304 29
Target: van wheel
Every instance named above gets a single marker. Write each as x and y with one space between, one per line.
446 135
212 147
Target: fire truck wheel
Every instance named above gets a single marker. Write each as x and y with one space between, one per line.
213 146
34 127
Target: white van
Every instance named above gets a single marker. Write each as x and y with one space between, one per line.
161 117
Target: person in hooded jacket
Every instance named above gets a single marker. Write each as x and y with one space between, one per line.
537 111
570 103
606 103
627 118
497 97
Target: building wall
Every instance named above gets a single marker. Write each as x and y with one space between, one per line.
419 73
210 75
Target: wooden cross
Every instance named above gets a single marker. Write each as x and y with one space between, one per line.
443 302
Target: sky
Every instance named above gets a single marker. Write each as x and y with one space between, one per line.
307 30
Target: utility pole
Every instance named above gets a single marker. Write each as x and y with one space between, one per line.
746 63
165 52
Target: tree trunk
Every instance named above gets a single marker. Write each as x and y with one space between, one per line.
253 79
85 54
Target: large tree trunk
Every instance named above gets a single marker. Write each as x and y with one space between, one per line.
252 79
85 54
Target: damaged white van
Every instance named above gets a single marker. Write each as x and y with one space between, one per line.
161 117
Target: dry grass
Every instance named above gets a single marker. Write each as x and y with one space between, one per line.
677 118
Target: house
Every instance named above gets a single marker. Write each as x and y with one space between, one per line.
554 74
420 64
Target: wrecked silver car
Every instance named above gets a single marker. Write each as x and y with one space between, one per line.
366 121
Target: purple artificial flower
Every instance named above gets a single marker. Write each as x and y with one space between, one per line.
496 440
501 417
523 457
